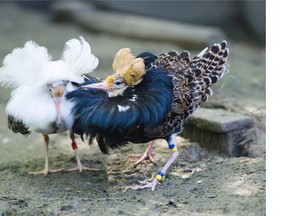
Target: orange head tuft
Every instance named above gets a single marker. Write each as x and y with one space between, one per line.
109 81
134 72
122 59
128 67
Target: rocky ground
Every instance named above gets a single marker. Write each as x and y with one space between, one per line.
198 183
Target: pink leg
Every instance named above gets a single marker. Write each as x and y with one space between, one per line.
147 155
46 169
79 166
160 175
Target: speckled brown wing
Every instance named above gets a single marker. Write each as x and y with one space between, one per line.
17 126
191 79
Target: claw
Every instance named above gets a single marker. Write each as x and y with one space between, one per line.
146 155
79 165
45 171
143 157
144 185
80 168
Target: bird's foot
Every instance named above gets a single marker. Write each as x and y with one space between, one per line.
145 156
45 171
80 168
145 184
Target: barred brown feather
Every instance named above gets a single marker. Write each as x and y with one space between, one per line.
192 79
17 126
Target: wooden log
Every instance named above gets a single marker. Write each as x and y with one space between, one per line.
140 27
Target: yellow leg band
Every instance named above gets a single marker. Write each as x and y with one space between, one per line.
160 176
174 149
160 179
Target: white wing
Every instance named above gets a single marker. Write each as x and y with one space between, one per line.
77 54
23 65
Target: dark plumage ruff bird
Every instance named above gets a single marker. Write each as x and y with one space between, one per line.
147 98
39 86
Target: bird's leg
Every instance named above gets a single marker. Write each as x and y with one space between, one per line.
160 175
46 169
147 155
79 166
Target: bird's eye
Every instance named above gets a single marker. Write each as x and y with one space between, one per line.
117 82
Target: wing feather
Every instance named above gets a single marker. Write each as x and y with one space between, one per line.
22 65
77 54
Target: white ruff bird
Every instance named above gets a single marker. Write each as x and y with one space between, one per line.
39 86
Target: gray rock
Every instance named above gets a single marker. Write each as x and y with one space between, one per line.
221 131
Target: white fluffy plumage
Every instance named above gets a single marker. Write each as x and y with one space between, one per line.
32 65
23 65
77 55
28 70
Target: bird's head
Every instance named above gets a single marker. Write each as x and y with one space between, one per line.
57 90
129 72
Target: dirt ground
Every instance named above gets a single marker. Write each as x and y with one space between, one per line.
198 183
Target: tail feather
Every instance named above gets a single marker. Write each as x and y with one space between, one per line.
209 66
192 78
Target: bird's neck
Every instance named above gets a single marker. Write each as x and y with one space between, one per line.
116 93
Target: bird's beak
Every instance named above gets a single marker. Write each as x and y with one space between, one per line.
102 85
57 101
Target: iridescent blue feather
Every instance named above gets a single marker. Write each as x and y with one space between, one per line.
147 105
